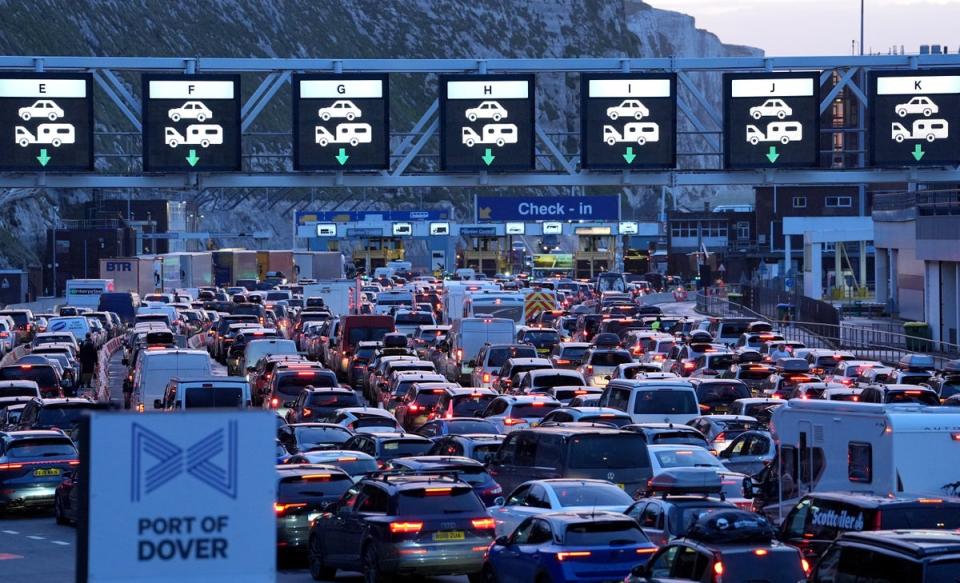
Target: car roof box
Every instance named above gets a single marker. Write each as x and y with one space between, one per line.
731 526
701 336
793 365
685 482
749 356
759 326
395 340
606 339
917 362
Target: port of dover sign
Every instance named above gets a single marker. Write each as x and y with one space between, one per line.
185 497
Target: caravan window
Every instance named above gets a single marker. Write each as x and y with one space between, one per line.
859 462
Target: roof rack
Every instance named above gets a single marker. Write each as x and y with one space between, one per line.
386 475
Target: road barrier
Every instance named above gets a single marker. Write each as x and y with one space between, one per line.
101 376
197 341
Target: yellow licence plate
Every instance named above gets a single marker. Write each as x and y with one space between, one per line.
47 472
450 535
620 486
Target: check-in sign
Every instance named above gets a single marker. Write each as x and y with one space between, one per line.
184 497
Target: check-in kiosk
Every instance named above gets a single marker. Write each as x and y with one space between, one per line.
596 250
486 249
369 247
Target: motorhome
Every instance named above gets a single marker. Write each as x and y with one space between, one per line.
883 449
455 293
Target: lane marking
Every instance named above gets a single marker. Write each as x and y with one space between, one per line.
60 542
11 532
35 537
8 556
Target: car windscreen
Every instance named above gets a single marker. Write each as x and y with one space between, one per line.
598 533
590 495
336 400
556 380
316 484
290 384
734 329
483 452
373 421
20 319
569 324
615 451
496 357
352 465
468 405
213 397
421 502
716 398
573 352
922 397
310 436
40 447
608 418
465 426
18 392
683 516
428 398
44 376
915 379
610 358
686 458
679 438
418 318
365 353
926 516
950 388
665 402
541 336
363 334
391 301
248 309
532 410
514 313
762 412
405 447
54 416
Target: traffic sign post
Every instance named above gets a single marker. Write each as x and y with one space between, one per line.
914 118
628 121
771 120
46 121
487 122
194 502
341 122
191 123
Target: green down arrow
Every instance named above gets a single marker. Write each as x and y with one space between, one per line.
918 152
43 158
488 157
772 154
629 156
342 156
193 158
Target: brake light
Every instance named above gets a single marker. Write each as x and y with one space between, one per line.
274 402
437 491
305 373
512 421
563 361
26 366
413 408
572 555
483 523
459 354
689 365
10 466
320 477
4 334
589 369
347 459
405 527
281 509
536 404
658 357
74 462
760 552
486 377
718 569
720 437
930 500
805 565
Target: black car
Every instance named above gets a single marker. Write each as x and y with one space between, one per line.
31 465
302 492
303 437
319 404
62 413
479 446
396 524
467 469
891 556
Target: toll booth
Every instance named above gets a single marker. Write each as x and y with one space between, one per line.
486 249
368 247
596 250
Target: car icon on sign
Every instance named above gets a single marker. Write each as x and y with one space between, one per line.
918 105
340 109
42 108
191 110
487 110
628 108
771 108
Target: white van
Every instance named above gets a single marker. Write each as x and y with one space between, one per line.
469 335
157 308
390 300
205 393
652 401
155 368
76 325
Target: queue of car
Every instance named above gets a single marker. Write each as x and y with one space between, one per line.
600 441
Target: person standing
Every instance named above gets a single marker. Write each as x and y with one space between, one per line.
657 324
88 361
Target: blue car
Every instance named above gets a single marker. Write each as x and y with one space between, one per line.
568 546
32 464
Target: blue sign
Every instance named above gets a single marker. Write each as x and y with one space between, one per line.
548 208
305 217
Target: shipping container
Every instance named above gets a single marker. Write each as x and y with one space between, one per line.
130 274
318 265
275 262
13 286
230 265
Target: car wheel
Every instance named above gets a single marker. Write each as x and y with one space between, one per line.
927 112
756 115
902 112
898 138
174 143
25 116
350 117
175 117
496 117
58 511
470 143
472 117
325 116
487 575
781 114
611 142
318 570
371 567
544 578
613 115
52 116
24 143
754 141
201 118
638 116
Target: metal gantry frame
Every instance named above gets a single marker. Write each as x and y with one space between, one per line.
555 168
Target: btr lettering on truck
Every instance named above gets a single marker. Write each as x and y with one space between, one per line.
119 266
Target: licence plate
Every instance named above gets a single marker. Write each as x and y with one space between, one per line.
450 535
46 472
621 486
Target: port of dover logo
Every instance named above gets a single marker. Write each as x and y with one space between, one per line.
156 461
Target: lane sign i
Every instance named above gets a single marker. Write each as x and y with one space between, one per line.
487 122
46 121
341 122
628 121
191 123
914 118
771 120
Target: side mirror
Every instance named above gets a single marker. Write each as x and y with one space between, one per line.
472 363
502 540
288 404
724 454
499 501
639 571
251 369
607 377
157 404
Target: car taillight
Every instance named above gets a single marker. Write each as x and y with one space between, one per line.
274 402
486 377
483 523
282 509
647 551
688 365
307 412
493 490
805 565
572 555
4 467
720 437
717 571
512 421
589 369
4 334
413 408
563 361
405 527
459 354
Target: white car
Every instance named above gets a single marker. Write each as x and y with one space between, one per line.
628 108
42 108
665 457
558 495
366 419
487 110
509 412
771 108
191 110
342 109
918 106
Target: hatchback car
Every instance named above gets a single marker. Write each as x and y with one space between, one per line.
479 446
302 492
514 412
302 437
32 464
567 495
